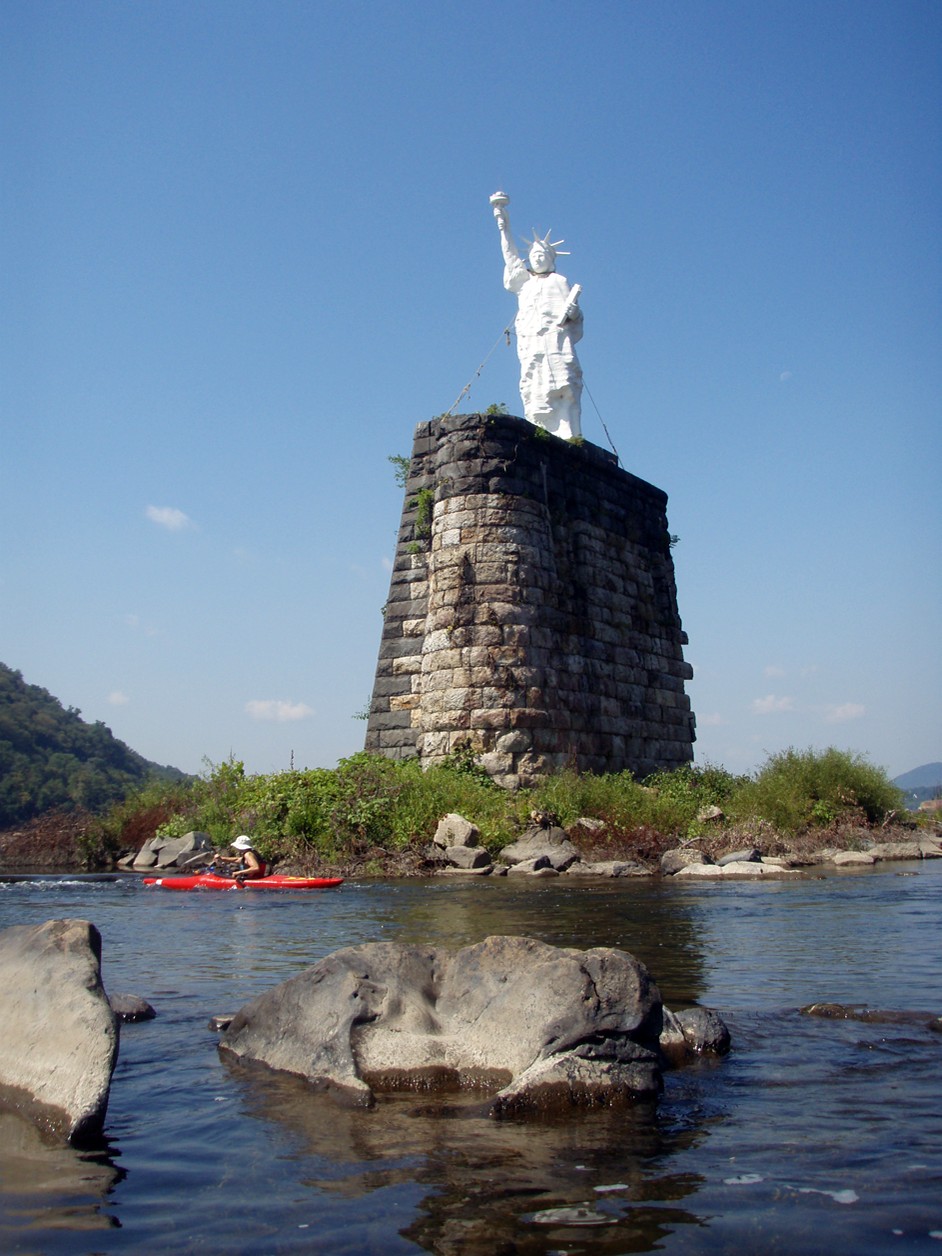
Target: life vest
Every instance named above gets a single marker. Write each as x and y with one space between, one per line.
262 865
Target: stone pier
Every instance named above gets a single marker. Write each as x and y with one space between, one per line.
532 611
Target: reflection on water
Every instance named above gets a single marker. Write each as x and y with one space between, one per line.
483 1181
811 1132
637 916
71 1187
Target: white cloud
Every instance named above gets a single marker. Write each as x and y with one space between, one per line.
785 376
710 721
387 564
169 517
278 711
846 711
770 704
135 624
773 671
117 698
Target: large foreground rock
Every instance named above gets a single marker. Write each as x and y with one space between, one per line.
533 1025
59 1038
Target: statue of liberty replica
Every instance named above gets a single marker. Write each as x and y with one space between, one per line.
532 619
548 327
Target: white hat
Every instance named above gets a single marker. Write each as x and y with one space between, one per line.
242 842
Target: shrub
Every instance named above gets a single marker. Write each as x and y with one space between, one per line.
369 804
683 793
426 796
616 798
797 790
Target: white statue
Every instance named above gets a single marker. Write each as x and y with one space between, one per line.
548 326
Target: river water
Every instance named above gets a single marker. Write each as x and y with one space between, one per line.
812 1136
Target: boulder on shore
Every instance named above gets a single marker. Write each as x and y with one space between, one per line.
751 854
455 830
551 843
607 868
59 1042
672 861
918 848
533 1026
469 858
172 852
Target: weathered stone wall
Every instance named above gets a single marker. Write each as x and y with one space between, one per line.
532 609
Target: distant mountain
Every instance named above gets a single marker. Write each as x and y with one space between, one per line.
921 783
926 777
51 758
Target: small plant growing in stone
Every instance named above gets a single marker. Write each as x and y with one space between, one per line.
401 465
423 512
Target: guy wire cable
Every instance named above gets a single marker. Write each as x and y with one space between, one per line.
601 420
505 334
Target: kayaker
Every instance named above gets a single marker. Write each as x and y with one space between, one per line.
251 864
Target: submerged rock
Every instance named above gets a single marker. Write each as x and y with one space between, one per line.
131 1007
872 1015
693 1031
530 1025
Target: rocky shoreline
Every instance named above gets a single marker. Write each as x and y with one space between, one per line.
64 843
54 842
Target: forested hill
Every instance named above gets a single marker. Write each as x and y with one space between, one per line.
50 757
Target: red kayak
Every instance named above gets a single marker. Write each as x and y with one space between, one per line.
212 881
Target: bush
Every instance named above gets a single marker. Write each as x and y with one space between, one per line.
799 790
616 798
682 794
370 805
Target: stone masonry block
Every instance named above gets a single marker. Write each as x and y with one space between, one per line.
406 665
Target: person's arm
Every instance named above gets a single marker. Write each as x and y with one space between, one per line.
502 218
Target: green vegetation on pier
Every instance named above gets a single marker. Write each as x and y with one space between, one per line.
379 814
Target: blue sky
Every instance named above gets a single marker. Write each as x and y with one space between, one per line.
247 247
